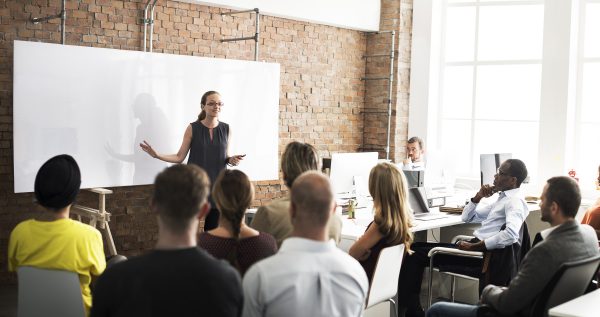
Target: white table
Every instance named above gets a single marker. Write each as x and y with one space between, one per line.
583 306
352 229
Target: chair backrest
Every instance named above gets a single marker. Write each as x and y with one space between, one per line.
570 281
45 292
385 278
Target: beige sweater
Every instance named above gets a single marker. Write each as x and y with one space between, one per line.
274 219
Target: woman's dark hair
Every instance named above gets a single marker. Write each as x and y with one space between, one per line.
233 194
202 114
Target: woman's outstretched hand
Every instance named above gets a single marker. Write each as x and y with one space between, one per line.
148 149
235 160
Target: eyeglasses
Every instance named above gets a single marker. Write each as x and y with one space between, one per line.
501 172
214 104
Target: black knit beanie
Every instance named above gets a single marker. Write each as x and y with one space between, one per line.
57 182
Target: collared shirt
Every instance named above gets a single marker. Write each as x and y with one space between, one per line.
305 278
509 209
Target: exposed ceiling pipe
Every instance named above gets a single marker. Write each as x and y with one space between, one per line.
62 15
148 21
152 23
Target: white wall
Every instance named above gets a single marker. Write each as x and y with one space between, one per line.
362 15
98 104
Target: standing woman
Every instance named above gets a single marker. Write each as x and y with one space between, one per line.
391 223
207 141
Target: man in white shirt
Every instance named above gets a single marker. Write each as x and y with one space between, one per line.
415 155
500 231
309 276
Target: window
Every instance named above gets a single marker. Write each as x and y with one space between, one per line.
490 83
518 76
587 119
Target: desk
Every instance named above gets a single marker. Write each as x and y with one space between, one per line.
352 229
583 306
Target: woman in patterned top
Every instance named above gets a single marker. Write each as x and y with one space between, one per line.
233 240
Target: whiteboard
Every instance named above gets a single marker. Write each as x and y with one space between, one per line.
98 104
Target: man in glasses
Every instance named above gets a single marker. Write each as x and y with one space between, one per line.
500 232
415 154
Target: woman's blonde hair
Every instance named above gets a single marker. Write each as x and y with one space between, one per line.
233 194
387 186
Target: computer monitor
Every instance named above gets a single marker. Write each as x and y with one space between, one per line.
349 172
488 164
415 178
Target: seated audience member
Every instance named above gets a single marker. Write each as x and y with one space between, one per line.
592 215
274 218
565 241
415 154
309 276
232 240
501 225
391 223
52 240
177 278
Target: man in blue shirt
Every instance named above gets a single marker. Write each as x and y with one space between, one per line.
501 226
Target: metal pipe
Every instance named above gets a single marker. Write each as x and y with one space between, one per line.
376 55
374 78
63 18
256 35
152 23
145 22
239 12
62 15
391 81
239 39
256 32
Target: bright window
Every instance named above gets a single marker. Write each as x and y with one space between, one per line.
587 124
490 83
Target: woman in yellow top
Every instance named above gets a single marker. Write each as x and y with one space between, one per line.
52 240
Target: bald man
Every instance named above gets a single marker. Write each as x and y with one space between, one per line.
309 276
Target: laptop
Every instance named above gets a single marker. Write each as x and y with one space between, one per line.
418 202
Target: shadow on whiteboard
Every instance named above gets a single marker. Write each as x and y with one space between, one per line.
135 165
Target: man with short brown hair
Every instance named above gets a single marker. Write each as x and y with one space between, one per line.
177 278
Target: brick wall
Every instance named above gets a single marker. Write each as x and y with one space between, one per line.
321 96
395 16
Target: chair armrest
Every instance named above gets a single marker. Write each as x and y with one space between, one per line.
456 252
462 237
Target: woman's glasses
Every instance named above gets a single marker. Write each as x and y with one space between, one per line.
214 104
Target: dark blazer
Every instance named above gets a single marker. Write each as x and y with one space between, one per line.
567 242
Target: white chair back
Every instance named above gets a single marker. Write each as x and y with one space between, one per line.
45 292
385 278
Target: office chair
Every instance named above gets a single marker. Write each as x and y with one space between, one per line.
384 285
454 252
570 281
45 292
496 261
